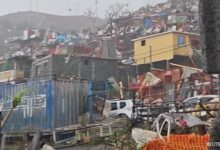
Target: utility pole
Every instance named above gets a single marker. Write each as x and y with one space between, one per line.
172 3
36 5
79 69
96 6
30 5
210 33
218 83
136 70
151 65
93 70
168 64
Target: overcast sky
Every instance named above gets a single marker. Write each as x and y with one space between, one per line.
61 7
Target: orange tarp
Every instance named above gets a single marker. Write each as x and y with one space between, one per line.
179 142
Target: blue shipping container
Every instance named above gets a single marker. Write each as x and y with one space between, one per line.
48 105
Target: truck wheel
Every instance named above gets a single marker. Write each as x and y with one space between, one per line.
126 118
123 116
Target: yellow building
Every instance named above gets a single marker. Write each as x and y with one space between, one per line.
164 46
15 68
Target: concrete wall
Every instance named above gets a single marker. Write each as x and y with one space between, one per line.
60 65
98 69
83 67
42 69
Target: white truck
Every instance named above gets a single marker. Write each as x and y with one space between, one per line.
123 108
117 107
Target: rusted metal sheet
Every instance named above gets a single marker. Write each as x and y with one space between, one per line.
49 104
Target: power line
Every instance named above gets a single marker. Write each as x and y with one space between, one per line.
158 49
164 49
36 5
163 52
30 5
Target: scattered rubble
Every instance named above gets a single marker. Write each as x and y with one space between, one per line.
130 105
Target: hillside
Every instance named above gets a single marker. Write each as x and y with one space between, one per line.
13 24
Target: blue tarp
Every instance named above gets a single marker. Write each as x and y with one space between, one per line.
148 23
60 38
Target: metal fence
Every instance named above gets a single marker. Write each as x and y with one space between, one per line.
46 105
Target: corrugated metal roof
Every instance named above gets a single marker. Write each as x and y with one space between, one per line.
175 32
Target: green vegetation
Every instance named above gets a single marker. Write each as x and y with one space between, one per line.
16 100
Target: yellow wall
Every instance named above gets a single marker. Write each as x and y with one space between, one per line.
184 50
163 47
11 75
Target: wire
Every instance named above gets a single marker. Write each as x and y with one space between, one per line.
163 52
168 50
159 49
174 90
